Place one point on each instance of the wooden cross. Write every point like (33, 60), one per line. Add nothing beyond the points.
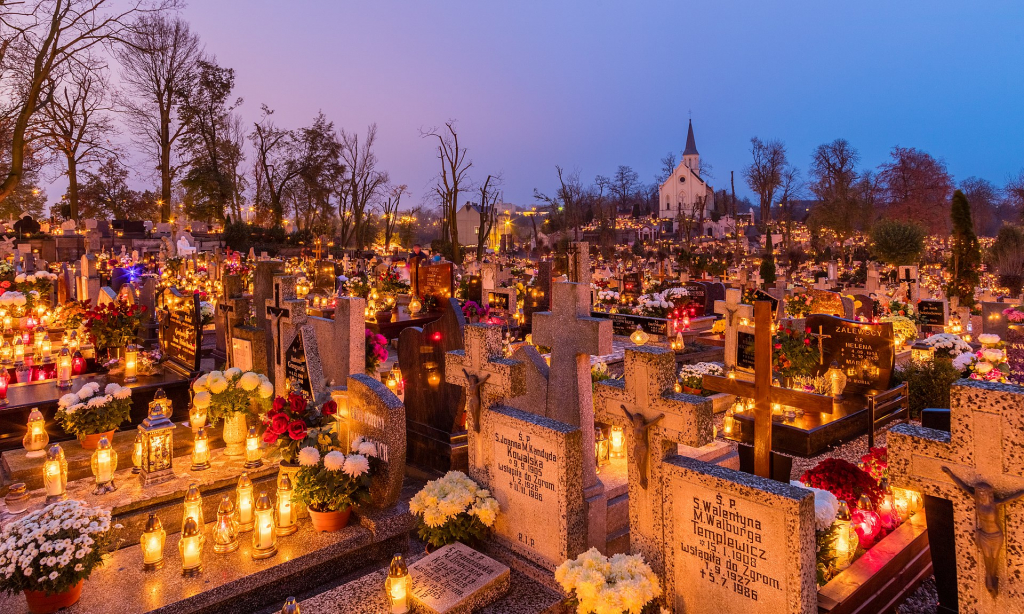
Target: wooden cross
(763, 392)
(733, 308)
(983, 452)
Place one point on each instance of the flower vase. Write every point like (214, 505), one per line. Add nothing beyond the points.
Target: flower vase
(290, 469)
(329, 522)
(92, 441)
(41, 603)
(235, 430)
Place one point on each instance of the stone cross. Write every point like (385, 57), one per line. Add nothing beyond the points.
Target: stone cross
(979, 466)
(285, 313)
(579, 263)
(644, 397)
(763, 392)
(735, 311)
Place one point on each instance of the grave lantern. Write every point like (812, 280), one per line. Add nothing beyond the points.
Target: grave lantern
(677, 343)
(225, 532)
(433, 373)
(253, 454)
(64, 365)
(193, 505)
(77, 363)
(921, 352)
(201, 450)
(602, 447)
(728, 423)
(845, 544)
(73, 344)
(887, 512)
(245, 504)
(36, 438)
(639, 337)
(264, 537)
(6, 353)
(398, 585)
(19, 351)
(865, 520)
(908, 502)
(104, 464)
(8, 320)
(55, 474)
(290, 606)
(46, 347)
(157, 441)
(152, 543)
(415, 306)
(285, 510)
(618, 448)
(131, 363)
(137, 454)
(191, 548)
(5, 380)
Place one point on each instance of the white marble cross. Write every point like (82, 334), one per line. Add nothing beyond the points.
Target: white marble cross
(735, 312)
(985, 451)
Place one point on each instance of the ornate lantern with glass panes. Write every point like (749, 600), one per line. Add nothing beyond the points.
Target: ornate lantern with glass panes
(157, 442)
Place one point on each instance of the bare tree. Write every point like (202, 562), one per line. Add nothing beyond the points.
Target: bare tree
(156, 64)
(452, 179)
(764, 174)
(276, 160)
(365, 182)
(76, 125)
(389, 212)
(790, 189)
(489, 197)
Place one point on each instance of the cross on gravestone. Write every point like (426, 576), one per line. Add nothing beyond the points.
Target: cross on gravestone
(763, 392)
(347, 339)
(651, 415)
(978, 466)
(578, 269)
(734, 311)
(820, 336)
(494, 377)
(286, 314)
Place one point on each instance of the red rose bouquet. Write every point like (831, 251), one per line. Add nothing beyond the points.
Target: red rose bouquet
(295, 423)
(876, 463)
(114, 325)
(844, 480)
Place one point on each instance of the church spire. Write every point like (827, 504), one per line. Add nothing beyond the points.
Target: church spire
(691, 144)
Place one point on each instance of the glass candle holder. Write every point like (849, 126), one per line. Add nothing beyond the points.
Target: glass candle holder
(64, 368)
(152, 543)
(398, 585)
(245, 504)
(55, 475)
(193, 506)
(225, 531)
(131, 363)
(190, 547)
(36, 438)
(286, 524)
(264, 535)
(201, 450)
(104, 464)
(17, 498)
(253, 454)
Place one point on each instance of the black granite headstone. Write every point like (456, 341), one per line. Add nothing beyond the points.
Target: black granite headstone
(864, 351)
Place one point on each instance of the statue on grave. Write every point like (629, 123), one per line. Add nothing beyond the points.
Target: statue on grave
(987, 532)
(167, 248)
(640, 446)
(473, 401)
(184, 248)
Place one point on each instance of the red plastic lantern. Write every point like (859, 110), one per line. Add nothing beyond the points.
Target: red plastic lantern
(5, 380)
(436, 337)
(866, 521)
(78, 364)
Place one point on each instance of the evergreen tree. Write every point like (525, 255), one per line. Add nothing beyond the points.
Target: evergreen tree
(768, 262)
(966, 258)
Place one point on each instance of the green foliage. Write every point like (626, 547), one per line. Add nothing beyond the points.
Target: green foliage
(323, 490)
(897, 243)
(768, 269)
(929, 383)
(1007, 258)
(965, 261)
(826, 559)
(463, 527)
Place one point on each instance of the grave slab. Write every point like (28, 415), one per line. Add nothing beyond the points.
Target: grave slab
(456, 580)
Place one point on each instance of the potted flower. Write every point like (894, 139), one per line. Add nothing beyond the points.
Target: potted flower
(799, 305)
(330, 484)
(595, 581)
(114, 325)
(15, 302)
(376, 352)
(90, 416)
(453, 508)
(691, 377)
(474, 312)
(231, 395)
(51, 552)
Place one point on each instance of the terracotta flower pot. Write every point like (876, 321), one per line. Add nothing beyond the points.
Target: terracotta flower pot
(329, 522)
(91, 442)
(41, 603)
(694, 391)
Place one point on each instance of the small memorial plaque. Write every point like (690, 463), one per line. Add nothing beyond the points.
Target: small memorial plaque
(241, 354)
(933, 313)
(457, 578)
(745, 350)
(297, 367)
(624, 323)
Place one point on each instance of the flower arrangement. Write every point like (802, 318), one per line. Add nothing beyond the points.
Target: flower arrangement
(692, 376)
(902, 327)
(876, 463)
(376, 351)
(390, 283)
(53, 549)
(16, 301)
(990, 340)
(799, 305)
(654, 306)
(603, 585)
(295, 423)
(40, 282)
(358, 286)
(988, 364)
(223, 394)
(1014, 315)
(718, 328)
(7, 274)
(472, 309)
(792, 353)
(947, 345)
(898, 308)
(453, 508)
(599, 372)
(114, 324)
(87, 412)
(70, 315)
(843, 479)
(826, 508)
(608, 297)
(817, 384)
(206, 313)
(330, 481)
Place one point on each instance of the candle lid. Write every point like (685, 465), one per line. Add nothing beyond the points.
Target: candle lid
(17, 489)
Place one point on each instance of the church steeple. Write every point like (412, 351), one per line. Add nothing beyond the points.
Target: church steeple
(690, 156)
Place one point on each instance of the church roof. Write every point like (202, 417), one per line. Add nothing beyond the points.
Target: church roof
(691, 145)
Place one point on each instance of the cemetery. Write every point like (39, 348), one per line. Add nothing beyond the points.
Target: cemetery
(245, 369)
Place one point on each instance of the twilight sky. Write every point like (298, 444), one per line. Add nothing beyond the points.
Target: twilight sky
(594, 84)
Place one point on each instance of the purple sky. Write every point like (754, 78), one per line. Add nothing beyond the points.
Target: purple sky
(596, 84)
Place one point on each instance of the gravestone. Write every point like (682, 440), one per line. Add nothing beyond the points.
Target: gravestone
(377, 415)
(863, 350)
(992, 319)
(231, 310)
(1014, 340)
(734, 312)
(302, 363)
(863, 306)
(825, 302)
(695, 298)
(502, 301)
(474, 290)
(978, 466)
(435, 418)
(488, 276)
(456, 579)
(88, 280)
(537, 375)
(761, 295)
(181, 331)
(578, 269)
(436, 280)
(296, 355)
(933, 312)
(345, 335)
(736, 542)
(106, 296)
(632, 285)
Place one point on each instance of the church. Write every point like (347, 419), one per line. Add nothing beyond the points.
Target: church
(684, 191)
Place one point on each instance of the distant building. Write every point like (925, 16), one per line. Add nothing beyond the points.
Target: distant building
(467, 219)
(684, 189)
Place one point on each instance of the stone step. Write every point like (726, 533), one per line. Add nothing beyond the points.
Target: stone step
(618, 513)
(618, 542)
(234, 582)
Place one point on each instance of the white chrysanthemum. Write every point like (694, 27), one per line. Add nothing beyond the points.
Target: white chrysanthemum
(334, 461)
(356, 465)
(826, 506)
(20, 277)
(983, 368)
(232, 373)
(98, 402)
(75, 408)
(249, 381)
(367, 448)
(963, 361)
(218, 385)
(201, 400)
(68, 400)
(309, 456)
(123, 393)
(215, 374)
(111, 389)
(988, 339)
(266, 390)
(85, 393)
(992, 355)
